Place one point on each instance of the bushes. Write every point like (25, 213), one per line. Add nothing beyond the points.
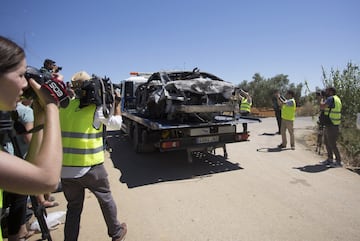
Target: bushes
(350, 143)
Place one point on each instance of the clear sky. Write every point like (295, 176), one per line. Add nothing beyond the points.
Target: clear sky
(233, 39)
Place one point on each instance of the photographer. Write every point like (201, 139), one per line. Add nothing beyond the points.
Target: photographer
(331, 107)
(41, 173)
(51, 68)
(245, 106)
(288, 111)
(82, 124)
(16, 221)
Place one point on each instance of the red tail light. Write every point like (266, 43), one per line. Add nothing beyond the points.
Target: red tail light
(242, 136)
(170, 144)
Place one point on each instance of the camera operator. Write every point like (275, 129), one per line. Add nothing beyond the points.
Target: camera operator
(51, 68)
(16, 220)
(40, 173)
(288, 111)
(331, 107)
(83, 162)
(245, 106)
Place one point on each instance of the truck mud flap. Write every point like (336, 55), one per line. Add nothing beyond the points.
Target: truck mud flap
(139, 140)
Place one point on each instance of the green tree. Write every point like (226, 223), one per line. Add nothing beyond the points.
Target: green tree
(262, 89)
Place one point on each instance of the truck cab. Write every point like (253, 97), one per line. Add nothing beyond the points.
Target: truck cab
(128, 88)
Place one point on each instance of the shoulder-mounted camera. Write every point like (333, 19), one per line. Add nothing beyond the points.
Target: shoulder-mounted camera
(98, 91)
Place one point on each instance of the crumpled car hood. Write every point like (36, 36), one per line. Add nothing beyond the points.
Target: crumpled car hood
(202, 86)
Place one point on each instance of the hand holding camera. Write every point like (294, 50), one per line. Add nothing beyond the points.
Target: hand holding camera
(46, 88)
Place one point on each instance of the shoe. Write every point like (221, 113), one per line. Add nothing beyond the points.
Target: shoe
(326, 162)
(278, 133)
(293, 148)
(51, 198)
(336, 164)
(27, 235)
(48, 204)
(123, 233)
(281, 146)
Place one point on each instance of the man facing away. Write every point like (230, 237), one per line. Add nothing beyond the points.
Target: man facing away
(83, 159)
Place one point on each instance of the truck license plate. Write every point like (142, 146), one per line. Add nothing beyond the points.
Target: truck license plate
(207, 139)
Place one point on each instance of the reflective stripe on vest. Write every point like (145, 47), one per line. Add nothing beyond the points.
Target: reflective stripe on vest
(82, 143)
(335, 113)
(245, 105)
(288, 112)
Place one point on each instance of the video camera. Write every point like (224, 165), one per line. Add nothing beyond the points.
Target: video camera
(55, 87)
(57, 69)
(98, 91)
(321, 93)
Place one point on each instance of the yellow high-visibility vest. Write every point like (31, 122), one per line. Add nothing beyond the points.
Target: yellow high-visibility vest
(335, 113)
(82, 143)
(245, 105)
(288, 112)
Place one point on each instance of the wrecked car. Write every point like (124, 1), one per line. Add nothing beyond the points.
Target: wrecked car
(184, 95)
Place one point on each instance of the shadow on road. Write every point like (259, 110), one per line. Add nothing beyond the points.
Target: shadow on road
(272, 149)
(313, 168)
(151, 168)
(268, 134)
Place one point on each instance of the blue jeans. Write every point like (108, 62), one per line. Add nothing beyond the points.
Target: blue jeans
(74, 190)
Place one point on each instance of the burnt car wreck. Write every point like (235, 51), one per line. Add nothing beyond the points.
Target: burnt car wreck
(184, 96)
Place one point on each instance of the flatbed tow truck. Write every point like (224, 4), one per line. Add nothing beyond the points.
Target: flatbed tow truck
(148, 135)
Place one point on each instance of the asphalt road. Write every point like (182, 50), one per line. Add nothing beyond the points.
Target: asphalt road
(260, 193)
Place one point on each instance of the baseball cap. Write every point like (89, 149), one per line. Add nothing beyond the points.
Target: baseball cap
(48, 62)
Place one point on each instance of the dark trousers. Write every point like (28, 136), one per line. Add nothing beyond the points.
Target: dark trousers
(278, 119)
(17, 211)
(331, 135)
(74, 190)
(244, 124)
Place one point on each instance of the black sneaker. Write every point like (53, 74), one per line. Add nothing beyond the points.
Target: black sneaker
(336, 164)
(123, 233)
(281, 146)
(327, 162)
